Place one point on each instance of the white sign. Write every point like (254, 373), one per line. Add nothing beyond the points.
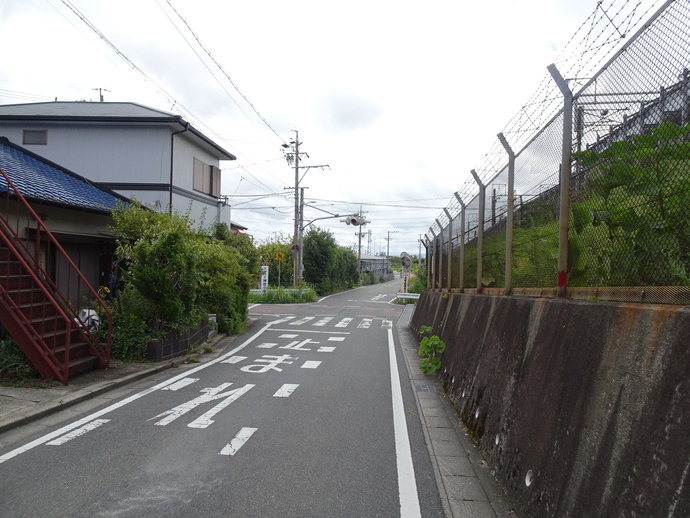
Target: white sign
(264, 276)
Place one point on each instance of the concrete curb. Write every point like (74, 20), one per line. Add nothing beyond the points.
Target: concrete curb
(35, 412)
(27, 415)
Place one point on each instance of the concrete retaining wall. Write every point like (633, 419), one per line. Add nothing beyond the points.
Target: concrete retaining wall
(581, 408)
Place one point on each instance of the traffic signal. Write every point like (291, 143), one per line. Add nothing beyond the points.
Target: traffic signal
(355, 219)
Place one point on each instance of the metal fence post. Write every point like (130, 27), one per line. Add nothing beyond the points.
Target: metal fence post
(427, 260)
(509, 214)
(461, 272)
(432, 266)
(480, 228)
(450, 249)
(440, 254)
(565, 179)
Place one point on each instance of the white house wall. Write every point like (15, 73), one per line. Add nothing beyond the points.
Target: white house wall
(121, 155)
(104, 152)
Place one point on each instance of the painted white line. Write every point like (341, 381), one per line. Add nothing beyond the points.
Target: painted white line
(344, 322)
(387, 324)
(310, 364)
(234, 359)
(76, 424)
(323, 321)
(365, 323)
(266, 345)
(209, 394)
(77, 433)
(325, 349)
(407, 483)
(180, 384)
(204, 421)
(288, 336)
(298, 346)
(302, 321)
(336, 338)
(238, 441)
(286, 390)
(302, 331)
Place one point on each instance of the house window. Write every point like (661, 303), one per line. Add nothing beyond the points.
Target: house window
(206, 178)
(35, 137)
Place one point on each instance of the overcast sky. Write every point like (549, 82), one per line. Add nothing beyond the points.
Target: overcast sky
(400, 99)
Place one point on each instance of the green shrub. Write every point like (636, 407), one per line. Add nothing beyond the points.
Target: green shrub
(281, 296)
(430, 348)
(13, 363)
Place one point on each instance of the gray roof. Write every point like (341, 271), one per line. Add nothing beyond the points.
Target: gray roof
(85, 109)
(82, 111)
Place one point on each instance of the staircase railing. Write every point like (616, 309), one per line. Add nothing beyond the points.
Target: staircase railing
(23, 233)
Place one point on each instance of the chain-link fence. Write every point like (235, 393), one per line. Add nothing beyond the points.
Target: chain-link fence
(620, 122)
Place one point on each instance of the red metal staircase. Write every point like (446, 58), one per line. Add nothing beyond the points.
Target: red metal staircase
(42, 318)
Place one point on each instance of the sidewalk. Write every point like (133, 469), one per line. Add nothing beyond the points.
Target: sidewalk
(465, 485)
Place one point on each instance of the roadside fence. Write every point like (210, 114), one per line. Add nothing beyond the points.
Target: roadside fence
(586, 192)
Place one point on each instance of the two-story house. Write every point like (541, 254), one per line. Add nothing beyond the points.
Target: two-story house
(154, 157)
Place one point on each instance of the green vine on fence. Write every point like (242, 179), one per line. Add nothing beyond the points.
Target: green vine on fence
(430, 349)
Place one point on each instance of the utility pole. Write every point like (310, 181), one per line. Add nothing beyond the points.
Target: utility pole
(388, 247)
(296, 249)
(100, 92)
(419, 256)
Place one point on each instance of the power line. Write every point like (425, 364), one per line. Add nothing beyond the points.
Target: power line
(215, 61)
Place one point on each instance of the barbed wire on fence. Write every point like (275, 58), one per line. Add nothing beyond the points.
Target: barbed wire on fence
(627, 66)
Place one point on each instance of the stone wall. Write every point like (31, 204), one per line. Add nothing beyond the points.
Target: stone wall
(581, 408)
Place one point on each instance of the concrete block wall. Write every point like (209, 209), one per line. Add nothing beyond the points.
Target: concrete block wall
(581, 408)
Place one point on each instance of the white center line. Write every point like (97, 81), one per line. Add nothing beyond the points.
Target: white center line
(286, 390)
(238, 441)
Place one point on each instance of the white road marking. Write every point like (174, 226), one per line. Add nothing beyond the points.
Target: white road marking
(298, 346)
(310, 364)
(302, 321)
(266, 345)
(234, 359)
(325, 349)
(378, 297)
(288, 336)
(407, 483)
(271, 363)
(344, 322)
(210, 394)
(80, 422)
(387, 324)
(238, 441)
(286, 390)
(180, 384)
(336, 338)
(365, 323)
(78, 432)
(204, 421)
(323, 321)
(302, 331)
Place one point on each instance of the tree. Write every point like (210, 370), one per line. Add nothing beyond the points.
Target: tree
(269, 253)
(319, 259)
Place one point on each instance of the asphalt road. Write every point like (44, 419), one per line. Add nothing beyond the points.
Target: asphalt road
(307, 415)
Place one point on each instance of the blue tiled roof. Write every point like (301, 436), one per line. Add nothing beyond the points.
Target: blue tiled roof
(41, 180)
